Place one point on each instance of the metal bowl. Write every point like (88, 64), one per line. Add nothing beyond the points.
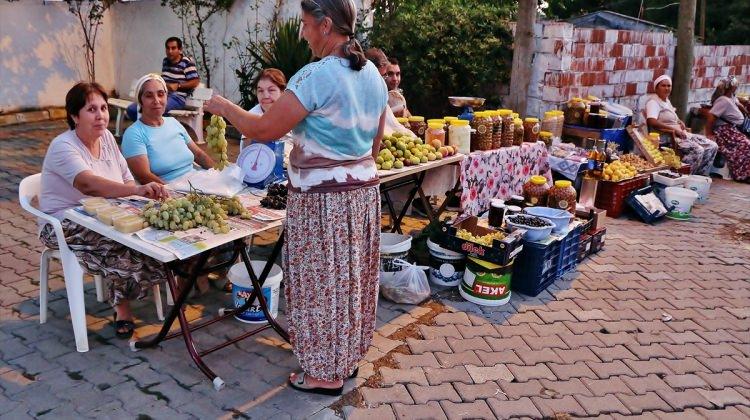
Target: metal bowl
(462, 101)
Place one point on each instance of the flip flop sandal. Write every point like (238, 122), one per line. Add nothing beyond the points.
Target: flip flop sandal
(300, 385)
(354, 374)
(123, 329)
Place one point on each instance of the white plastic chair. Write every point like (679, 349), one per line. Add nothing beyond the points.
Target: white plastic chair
(28, 189)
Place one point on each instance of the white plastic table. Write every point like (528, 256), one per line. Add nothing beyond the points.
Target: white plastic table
(172, 265)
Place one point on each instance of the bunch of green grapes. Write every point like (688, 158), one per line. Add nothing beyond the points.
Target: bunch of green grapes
(186, 213)
(232, 206)
(217, 143)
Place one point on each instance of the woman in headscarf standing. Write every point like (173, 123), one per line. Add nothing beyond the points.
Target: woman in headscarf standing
(335, 108)
(697, 151)
(726, 115)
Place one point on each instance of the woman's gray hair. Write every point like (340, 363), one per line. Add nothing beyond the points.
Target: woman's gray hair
(343, 14)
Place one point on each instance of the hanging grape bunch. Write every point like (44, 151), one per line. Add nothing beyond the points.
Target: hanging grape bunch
(217, 143)
(276, 197)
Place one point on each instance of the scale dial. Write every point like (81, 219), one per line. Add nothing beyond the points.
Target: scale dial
(258, 161)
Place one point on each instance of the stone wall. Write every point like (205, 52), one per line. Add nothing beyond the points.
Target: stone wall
(619, 65)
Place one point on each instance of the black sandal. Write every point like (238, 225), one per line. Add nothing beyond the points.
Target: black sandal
(123, 328)
(300, 385)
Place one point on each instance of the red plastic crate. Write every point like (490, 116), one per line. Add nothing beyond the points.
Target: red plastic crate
(611, 196)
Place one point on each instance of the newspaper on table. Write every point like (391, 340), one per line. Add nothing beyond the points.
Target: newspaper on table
(187, 243)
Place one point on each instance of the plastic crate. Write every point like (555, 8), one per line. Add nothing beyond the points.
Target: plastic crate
(611, 196)
(597, 240)
(535, 268)
(584, 249)
(641, 211)
(569, 251)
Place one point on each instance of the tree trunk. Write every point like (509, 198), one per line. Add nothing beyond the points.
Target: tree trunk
(683, 56)
(523, 52)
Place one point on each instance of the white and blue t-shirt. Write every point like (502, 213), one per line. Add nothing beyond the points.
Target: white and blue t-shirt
(166, 147)
(333, 144)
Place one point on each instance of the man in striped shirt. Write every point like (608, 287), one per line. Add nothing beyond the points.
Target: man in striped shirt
(180, 74)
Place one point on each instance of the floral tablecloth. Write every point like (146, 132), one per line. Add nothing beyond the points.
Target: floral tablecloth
(500, 173)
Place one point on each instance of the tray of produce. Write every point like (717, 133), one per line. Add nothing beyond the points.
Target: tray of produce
(484, 243)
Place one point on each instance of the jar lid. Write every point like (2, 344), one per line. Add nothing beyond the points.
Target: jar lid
(435, 125)
(514, 115)
(504, 112)
(436, 120)
(517, 121)
(653, 134)
(415, 118)
(538, 180)
(545, 134)
(497, 202)
(531, 120)
(576, 99)
(402, 119)
(460, 122)
(516, 197)
(450, 118)
(513, 209)
(563, 183)
(592, 98)
(548, 114)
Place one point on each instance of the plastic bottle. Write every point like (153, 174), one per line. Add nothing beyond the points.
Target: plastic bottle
(460, 134)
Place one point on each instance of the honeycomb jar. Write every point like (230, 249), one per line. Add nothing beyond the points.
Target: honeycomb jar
(562, 196)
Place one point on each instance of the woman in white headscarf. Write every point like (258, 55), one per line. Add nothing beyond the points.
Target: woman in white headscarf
(697, 151)
(726, 117)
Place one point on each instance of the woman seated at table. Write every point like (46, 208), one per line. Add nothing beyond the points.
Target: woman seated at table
(269, 86)
(84, 162)
(697, 151)
(725, 116)
(158, 148)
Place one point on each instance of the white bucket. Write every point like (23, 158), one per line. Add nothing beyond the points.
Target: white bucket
(699, 184)
(446, 267)
(681, 198)
(242, 287)
(393, 246)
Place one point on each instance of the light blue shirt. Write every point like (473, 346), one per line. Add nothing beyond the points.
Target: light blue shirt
(333, 143)
(166, 147)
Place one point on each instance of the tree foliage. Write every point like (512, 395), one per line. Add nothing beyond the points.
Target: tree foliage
(90, 14)
(726, 22)
(284, 50)
(195, 15)
(445, 48)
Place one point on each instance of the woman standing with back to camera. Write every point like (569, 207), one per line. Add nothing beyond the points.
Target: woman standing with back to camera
(335, 109)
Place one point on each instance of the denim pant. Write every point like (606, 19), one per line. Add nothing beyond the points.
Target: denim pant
(174, 101)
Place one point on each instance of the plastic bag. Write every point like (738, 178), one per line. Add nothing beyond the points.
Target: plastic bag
(406, 286)
(227, 182)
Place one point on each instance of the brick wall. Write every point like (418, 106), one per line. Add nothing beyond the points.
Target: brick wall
(620, 65)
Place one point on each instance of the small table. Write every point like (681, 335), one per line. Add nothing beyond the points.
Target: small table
(412, 175)
(174, 265)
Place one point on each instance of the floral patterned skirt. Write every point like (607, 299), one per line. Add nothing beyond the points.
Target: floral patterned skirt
(698, 152)
(331, 259)
(129, 273)
(735, 147)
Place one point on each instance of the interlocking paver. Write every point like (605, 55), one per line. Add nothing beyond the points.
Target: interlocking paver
(473, 392)
(684, 365)
(448, 360)
(459, 345)
(481, 374)
(643, 384)
(392, 394)
(511, 343)
(523, 407)
(436, 376)
(394, 376)
(723, 397)
(645, 367)
(571, 386)
(383, 412)
(649, 401)
(723, 380)
(406, 361)
(582, 354)
(422, 394)
(605, 370)
(581, 340)
(516, 390)
(680, 400)
(430, 332)
(525, 373)
(431, 410)
(423, 346)
(483, 330)
(558, 407)
(600, 387)
(607, 404)
(532, 357)
(575, 370)
(474, 410)
(455, 318)
(498, 357)
(686, 381)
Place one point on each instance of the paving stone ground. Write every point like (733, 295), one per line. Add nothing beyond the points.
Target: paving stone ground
(655, 325)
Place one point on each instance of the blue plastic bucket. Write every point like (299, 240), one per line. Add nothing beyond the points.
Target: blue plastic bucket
(242, 287)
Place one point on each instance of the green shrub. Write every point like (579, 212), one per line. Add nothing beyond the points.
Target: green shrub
(446, 48)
